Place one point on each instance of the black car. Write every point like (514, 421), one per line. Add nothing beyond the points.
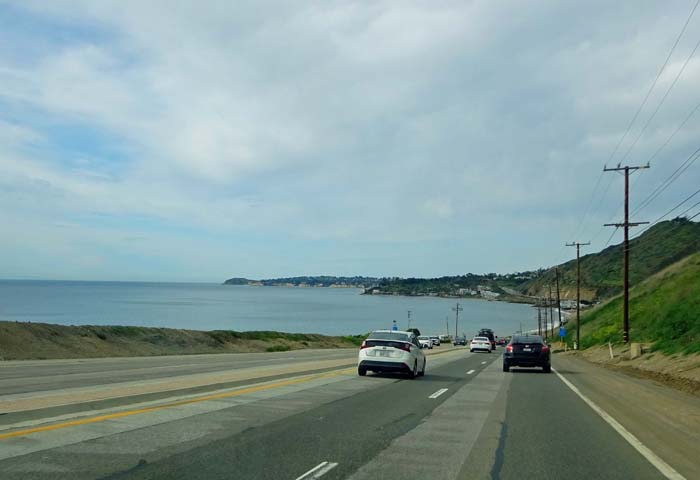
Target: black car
(527, 351)
(488, 333)
(460, 341)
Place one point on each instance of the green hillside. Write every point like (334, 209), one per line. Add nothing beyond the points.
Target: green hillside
(601, 273)
(664, 310)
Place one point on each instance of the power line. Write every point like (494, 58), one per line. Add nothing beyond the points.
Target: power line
(668, 181)
(676, 207)
(663, 99)
(658, 75)
(636, 115)
(668, 140)
(680, 215)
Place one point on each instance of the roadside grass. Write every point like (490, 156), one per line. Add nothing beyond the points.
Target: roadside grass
(664, 311)
(278, 348)
(25, 340)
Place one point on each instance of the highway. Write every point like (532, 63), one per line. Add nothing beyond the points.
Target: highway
(308, 415)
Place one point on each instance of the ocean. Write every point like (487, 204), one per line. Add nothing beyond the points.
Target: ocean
(200, 306)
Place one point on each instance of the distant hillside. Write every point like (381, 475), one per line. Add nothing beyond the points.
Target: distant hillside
(319, 281)
(664, 309)
(601, 273)
(490, 285)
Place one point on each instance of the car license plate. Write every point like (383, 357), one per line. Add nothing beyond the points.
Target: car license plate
(527, 349)
(384, 353)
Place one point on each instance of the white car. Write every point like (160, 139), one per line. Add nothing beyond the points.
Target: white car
(425, 342)
(480, 343)
(391, 351)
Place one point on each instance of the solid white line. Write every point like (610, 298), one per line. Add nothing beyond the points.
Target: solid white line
(470, 372)
(324, 470)
(663, 467)
(483, 363)
(438, 393)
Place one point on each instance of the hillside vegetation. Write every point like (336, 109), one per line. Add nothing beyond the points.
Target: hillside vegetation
(26, 341)
(664, 310)
(601, 273)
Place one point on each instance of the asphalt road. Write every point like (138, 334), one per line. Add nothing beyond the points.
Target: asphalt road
(464, 419)
(45, 375)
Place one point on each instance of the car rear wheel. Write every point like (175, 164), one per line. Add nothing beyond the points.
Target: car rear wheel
(361, 371)
(506, 368)
(413, 373)
(422, 372)
(547, 369)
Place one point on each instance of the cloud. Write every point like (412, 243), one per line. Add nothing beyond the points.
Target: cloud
(339, 128)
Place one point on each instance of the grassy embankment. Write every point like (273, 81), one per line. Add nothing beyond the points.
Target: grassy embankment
(25, 341)
(601, 272)
(664, 311)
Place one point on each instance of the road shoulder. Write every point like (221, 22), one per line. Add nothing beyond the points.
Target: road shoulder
(665, 420)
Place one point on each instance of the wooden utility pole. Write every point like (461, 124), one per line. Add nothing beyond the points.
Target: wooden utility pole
(626, 247)
(551, 311)
(409, 320)
(578, 246)
(539, 319)
(457, 309)
(558, 298)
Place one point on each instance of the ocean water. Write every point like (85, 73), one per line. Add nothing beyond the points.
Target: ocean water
(331, 311)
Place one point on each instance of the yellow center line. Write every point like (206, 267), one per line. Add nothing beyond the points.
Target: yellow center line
(128, 413)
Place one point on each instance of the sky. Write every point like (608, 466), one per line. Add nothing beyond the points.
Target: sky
(197, 141)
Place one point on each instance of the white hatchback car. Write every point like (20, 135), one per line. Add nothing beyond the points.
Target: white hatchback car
(425, 342)
(391, 351)
(480, 343)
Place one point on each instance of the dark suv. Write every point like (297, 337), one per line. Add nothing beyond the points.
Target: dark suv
(527, 351)
(488, 333)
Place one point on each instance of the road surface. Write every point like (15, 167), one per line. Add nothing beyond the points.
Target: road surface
(308, 415)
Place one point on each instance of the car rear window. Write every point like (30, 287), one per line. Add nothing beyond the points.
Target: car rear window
(384, 343)
(527, 339)
(402, 337)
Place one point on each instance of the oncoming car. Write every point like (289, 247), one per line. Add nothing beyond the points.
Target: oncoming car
(391, 351)
(480, 343)
(425, 342)
(435, 339)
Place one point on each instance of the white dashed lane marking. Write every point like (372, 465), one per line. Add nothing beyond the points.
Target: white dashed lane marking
(438, 393)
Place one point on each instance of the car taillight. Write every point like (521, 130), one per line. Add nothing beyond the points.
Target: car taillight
(509, 348)
(364, 344)
(545, 348)
(405, 346)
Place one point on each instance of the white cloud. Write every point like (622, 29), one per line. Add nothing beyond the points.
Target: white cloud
(336, 122)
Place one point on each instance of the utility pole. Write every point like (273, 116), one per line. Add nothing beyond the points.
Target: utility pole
(578, 246)
(558, 298)
(539, 319)
(457, 309)
(447, 322)
(551, 311)
(409, 320)
(626, 248)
